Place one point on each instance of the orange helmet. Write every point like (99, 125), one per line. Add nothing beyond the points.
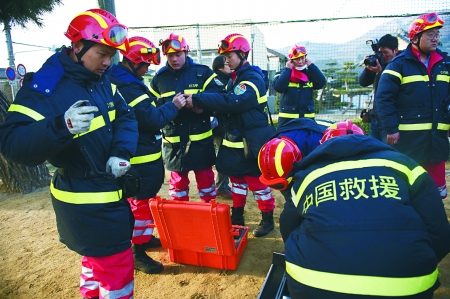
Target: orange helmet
(142, 50)
(424, 22)
(276, 160)
(341, 129)
(234, 42)
(174, 43)
(296, 52)
(99, 26)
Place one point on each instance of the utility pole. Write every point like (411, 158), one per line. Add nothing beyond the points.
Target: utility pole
(109, 5)
(10, 56)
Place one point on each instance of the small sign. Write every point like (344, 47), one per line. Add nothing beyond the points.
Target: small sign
(10, 73)
(12, 83)
(21, 70)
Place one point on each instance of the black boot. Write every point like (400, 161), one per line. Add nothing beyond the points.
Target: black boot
(153, 243)
(143, 262)
(266, 224)
(237, 216)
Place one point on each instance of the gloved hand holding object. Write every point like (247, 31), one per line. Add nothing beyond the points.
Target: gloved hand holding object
(117, 166)
(79, 116)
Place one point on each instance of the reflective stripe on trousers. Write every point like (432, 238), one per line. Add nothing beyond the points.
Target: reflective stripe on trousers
(110, 277)
(262, 193)
(142, 218)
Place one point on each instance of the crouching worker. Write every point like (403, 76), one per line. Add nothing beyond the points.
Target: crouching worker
(293, 140)
(364, 220)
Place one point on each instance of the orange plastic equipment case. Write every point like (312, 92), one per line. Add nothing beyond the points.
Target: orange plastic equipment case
(198, 233)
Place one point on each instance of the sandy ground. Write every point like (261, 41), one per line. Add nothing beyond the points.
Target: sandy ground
(34, 264)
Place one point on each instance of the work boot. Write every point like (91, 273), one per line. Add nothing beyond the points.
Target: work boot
(237, 216)
(143, 262)
(153, 243)
(266, 224)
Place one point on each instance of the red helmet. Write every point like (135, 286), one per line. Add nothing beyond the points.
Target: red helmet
(142, 50)
(174, 43)
(99, 26)
(424, 22)
(234, 42)
(296, 52)
(341, 129)
(276, 159)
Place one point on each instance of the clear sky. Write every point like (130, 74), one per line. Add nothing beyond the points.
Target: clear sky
(135, 13)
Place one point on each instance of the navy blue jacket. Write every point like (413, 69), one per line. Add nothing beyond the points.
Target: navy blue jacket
(188, 143)
(148, 161)
(296, 99)
(362, 210)
(242, 107)
(412, 102)
(92, 217)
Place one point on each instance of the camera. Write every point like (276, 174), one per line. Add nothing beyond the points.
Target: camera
(372, 59)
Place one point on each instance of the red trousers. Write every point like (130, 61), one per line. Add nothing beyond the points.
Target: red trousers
(109, 277)
(262, 193)
(142, 218)
(179, 185)
(437, 173)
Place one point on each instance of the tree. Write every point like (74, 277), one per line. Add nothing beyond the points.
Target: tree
(18, 178)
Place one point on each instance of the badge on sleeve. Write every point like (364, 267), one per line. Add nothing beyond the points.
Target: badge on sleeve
(240, 89)
(218, 82)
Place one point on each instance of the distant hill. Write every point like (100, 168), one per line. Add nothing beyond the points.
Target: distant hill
(355, 50)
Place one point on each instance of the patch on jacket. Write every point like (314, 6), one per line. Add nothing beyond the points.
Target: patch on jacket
(218, 82)
(240, 89)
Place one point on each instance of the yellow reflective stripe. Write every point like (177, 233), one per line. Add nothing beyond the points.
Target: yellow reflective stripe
(288, 115)
(95, 16)
(260, 99)
(194, 137)
(415, 78)
(201, 136)
(444, 127)
(346, 165)
(114, 88)
(276, 75)
(146, 158)
(138, 100)
(85, 197)
(171, 139)
(208, 81)
(97, 123)
(232, 144)
(26, 111)
(415, 127)
(167, 94)
(362, 285)
(323, 123)
(393, 73)
(308, 85)
(292, 84)
(278, 153)
(191, 91)
(154, 92)
(310, 115)
(445, 78)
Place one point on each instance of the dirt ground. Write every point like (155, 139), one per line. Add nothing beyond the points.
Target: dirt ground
(34, 264)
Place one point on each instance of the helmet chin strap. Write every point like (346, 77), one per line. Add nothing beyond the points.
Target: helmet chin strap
(417, 44)
(133, 69)
(87, 44)
(242, 59)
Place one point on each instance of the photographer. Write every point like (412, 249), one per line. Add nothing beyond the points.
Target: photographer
(388, 47)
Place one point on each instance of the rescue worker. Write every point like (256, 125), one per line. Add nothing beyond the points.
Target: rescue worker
(413, 99)
(128, 76)
(70, 114)
(296, 84)
(240, 109)
(187, 140)
(294, 140)
(365, 221)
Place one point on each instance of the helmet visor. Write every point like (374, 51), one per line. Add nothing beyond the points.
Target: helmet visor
(169, 44)
(115, 35)
(299, 51)
(224, 46)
